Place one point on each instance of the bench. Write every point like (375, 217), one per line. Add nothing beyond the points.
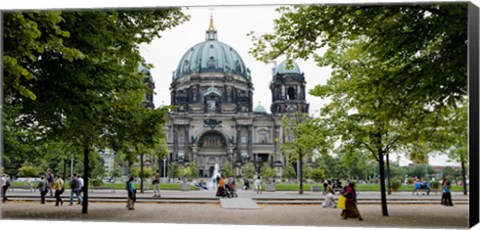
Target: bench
(424, 190)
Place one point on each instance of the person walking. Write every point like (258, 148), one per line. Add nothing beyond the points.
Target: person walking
(50, 179)
(131, 194)
(258, 184)
(59, 187)
(80, 184)
(5, 184)
(447, 195)
(351, 210)
(75, 189)
(329, 201)
(156, 185)
(42, 188)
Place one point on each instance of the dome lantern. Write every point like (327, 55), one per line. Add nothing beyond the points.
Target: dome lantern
(211, 32)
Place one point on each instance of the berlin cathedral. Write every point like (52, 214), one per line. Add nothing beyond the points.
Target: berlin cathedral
(214, 121)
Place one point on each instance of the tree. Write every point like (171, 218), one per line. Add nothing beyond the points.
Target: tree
(267, 172)
(302, 135)
(417, 43)
(248, 170)
(451, 138)
(28, 170)
(173, 170)
(449, 172)
(332, 166)
(384, 59)
(289, 172)
(191, 172)
(227, 170)
(316, 174)
(141, 128)
(116, 171)
(96, 166)
(72, 73)
(420, 170)
(147, 172)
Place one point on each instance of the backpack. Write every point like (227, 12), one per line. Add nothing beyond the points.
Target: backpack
(74, 183)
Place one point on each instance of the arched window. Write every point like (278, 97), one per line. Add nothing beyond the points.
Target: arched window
(291, 93)
(212, 140)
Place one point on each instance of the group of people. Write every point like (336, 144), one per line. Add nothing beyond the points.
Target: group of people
(231, 185)
(226, 187)
(347, 201)
(57, 185)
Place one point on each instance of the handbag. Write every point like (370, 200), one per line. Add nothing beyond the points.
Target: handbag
(341, 202)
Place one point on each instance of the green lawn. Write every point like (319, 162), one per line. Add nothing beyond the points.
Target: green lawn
(279, 186)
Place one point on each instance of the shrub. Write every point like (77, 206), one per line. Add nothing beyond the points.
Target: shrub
(395, 184)
(97, 182)
(316, 174)
(267, 172)
(435, 184)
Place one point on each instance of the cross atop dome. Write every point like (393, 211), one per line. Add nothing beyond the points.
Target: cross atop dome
(211, 32)
(211, 28)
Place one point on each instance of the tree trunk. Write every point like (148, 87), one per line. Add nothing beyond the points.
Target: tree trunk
(463, 177)
(141, 173)
(388, 176)
(382, 183)
(86, 152)
(300, 163)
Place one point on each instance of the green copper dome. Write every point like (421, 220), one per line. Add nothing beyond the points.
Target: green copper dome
(282, 68)
(211, 56)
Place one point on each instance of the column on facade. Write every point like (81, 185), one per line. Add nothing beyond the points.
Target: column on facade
(297, 92)
(175, 142)
(239, 153)
(250, 140)
(187, 143)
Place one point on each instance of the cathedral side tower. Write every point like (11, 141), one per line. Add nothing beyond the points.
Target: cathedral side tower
(288, 90)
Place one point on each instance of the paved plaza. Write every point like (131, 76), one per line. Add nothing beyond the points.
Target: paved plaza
(403, 212)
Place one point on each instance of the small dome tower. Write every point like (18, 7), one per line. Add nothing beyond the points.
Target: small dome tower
(288, 89)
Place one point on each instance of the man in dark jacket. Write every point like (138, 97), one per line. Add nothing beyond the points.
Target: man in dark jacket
(75, 187)
(43, 188)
